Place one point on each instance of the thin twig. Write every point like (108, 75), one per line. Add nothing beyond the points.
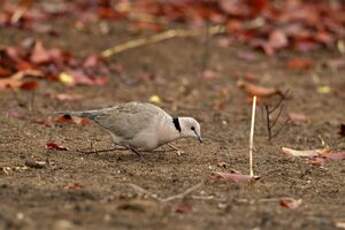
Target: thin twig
(268, 123)
(158, 38)
(184, 194)
(251, 138)
(205, 55)
(281, 108)
(156, 197)
(101, 151)
(141, 190)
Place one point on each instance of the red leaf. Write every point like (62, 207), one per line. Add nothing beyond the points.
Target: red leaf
(300, 64)
(39, 54)
(29, 85)
(255, 90)
(183, 208)
(277, 39)
(73, 186)
(257, 6)
(335, 156)
(67, 119)
(233, 177)
(298, 118)
(290, 203)
(91, 61)
(54, 146)
(4, 72)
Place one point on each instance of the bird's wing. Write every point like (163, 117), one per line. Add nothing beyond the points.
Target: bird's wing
(129, 119)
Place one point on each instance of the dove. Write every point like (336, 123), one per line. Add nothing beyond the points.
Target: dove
(141, 126)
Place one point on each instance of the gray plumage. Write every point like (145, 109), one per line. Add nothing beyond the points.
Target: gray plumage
(141, 126)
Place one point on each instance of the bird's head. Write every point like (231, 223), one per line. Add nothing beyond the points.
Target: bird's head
(190, 128)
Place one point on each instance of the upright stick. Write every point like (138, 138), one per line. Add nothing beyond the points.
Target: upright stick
(251, 138)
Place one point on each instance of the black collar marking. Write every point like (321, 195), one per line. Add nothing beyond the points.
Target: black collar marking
(177, 123)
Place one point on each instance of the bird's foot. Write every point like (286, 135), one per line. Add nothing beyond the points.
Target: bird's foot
(137, 153)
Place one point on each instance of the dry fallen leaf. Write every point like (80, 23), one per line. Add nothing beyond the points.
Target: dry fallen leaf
(298, 118)
(334, 156)
(54, 146)
(73, 186)
(340, 225)
(183, 208)
(290, 203)
(255, 90)
(68, 119)
(233, 177)
(300, 64)
(304, 153)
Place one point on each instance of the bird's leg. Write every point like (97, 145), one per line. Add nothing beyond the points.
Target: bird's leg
(136, 152)
(178, 152)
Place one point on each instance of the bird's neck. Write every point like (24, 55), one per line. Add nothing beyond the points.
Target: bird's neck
(170, 129)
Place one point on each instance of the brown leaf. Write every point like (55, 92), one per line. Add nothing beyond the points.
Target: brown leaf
(54, 146)
(29, 85)
(68, 119)
(255, 90)
(35, 164)
(290, 203)
(73, 186)
(183, 208)
(277, 39)
(304, 153)
(233, 177)
(209, 75)
(335, 156)
(67, 97)
(39, 54)
(300, 64)
(4, 72)
(298, 118)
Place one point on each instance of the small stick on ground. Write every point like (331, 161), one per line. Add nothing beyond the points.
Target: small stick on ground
(170, 198)
(141, 190)
(158, 38)
(183, 194)
(251, 138)
(101, 151)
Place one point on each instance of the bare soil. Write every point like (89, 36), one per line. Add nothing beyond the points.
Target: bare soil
(75, 190)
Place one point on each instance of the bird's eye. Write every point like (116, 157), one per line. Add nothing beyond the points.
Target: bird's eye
(192, 128)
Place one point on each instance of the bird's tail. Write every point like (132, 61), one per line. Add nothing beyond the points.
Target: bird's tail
(90, 114)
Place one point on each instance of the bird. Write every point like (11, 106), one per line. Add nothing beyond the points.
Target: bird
(140, 126)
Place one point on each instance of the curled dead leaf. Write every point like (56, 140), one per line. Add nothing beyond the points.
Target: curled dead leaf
(300, 64)
(54, 146)
(290, 203)
(298, 118)
(233, 177)
(68, 119)
(255, 90)
(73, 186)
(183, 208)
(304, 153)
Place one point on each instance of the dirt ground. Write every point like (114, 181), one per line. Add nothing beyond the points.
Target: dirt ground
(93, 191)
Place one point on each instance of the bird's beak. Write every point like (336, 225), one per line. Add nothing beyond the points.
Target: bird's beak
(198, 136)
